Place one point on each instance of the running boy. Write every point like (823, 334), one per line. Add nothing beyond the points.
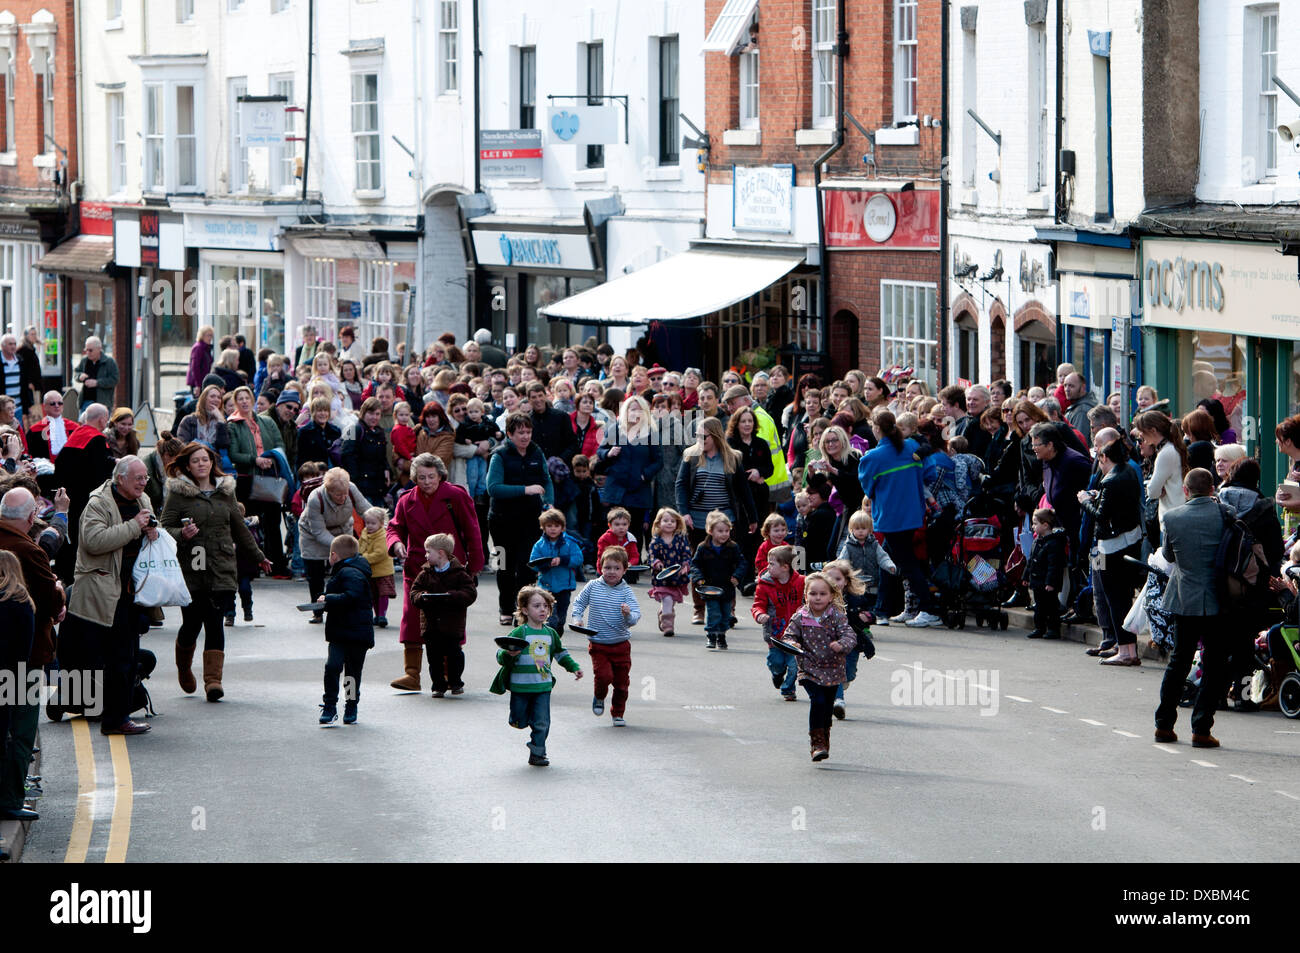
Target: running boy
(777, 597)
(774, 531)
(349, 628)
(619, 520)
(612, 608)
(561, 577)
(528, 677)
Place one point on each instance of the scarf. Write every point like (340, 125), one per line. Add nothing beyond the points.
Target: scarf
(252, 425)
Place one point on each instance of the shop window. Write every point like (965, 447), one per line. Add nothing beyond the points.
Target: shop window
(1213, 364)
(967, 338)
(1097, 366)
(544, 291)
(907, 329)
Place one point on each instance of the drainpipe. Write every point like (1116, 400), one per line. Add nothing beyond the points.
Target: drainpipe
(823, 290)
(1060, 109)
(311, 61)
(417, 66)
(945, 192)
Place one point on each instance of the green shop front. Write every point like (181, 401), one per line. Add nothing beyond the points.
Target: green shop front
(1220, 319)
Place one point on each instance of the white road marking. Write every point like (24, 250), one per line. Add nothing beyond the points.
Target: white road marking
(1165, 748)
(1055, 711)
(1241, 777)
(1126, 734)
(1204, 764)
(1284, 794)
(1089, 721)
(883, 659)
(1017, 698)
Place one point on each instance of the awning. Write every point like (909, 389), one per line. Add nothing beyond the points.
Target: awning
(82, 255)
(687, 285)
(730, 30)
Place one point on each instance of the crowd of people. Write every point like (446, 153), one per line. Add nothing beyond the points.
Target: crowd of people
(835, 505)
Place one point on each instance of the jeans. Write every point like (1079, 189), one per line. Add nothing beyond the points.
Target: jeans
(207, 613)
(783, 664)
(347, 659)
(532, 710)
(850, 672)
(1112, 589)
(561, 610)
(1190, 630)
(717, 616)
(611, 665)
(246, 592)
(296, 564)
(820, 711)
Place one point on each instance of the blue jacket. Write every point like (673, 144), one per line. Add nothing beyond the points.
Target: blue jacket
(630, 476)
(892, 480)
(350, 616)
(561, 578)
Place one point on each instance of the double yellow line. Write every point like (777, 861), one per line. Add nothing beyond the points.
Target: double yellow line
(119, 831)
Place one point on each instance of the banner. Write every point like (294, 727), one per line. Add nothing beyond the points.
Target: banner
(898, 221)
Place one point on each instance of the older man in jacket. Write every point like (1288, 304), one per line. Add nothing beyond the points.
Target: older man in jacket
(1191, 541)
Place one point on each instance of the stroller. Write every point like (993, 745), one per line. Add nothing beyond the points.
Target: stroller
(971, 578)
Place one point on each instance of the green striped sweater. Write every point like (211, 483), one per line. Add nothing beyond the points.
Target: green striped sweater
(531, 669)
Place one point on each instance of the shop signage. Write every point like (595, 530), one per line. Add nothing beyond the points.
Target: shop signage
(1091, 302)
(510, 153)
(96, 219)
(219, 231)
(1234, 287)
(262, 121)
(582, 125)
(550, 251)
(762, 198)
(901, 221)
(19, 228)
(146, 239)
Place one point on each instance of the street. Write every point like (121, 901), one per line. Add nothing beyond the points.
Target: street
(713, 765)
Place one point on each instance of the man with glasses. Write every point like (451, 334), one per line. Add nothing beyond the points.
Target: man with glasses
(48, 435)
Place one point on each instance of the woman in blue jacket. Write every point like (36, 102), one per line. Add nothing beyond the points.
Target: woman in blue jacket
(630, 460)
(891, 477)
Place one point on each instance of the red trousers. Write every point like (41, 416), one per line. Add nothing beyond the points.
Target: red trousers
(611, 665)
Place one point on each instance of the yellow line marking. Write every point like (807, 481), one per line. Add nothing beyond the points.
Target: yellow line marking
(82, 821)
(119, 831)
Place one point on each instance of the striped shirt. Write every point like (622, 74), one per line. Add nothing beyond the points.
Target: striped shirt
(532, 669)
(13, 379)
(604, 607)
(712, 490)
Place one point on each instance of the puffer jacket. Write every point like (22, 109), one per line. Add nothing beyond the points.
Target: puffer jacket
(439, 444)
(322, 519)
(208, 559)
(350, 614)
(98, 575)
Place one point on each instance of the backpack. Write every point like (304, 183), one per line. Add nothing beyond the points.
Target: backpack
(1239, 562)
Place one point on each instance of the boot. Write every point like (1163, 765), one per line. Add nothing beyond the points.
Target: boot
(410, 682)
(214, 661)
(184, 668)
(820, 743)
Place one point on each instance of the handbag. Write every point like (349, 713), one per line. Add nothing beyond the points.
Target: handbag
(268, 489)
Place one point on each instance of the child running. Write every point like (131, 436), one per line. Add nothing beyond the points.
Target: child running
(718, 562)
(561, 577)
(611, 608)
(374, 546)
(444, 590)
(774, 531)
(669, 546)
(777, 597)
(349, 629)
(854, 602)
(618, 521)
(528, 677)
(826, 637)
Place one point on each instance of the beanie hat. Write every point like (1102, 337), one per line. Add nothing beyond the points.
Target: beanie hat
(288, 397)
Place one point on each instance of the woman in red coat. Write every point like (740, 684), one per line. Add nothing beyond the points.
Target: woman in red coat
(586, 426)
(436, 506)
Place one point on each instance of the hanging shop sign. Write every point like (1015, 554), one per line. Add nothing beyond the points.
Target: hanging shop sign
(762, 198)
(145, 239)
(898, 221)
(582, 125)
(510, 153)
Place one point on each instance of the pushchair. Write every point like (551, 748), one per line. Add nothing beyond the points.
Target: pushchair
(971, 578)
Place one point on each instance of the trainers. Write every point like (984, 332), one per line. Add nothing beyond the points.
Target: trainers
(438, 694)
(789, 696)
(903, 618)
(838, 708)
(881, 620)
(230, 618)
(248, 615)
(317, 619)
(381, 622)
(598, 706)
(328, 714)
(350, 713)
(926, 620)
(538, 760)
(619, 722)
(458, 691)
(712, 643)
(722, 641)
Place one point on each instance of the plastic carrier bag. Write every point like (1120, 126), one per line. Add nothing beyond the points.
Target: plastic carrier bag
(157, 574)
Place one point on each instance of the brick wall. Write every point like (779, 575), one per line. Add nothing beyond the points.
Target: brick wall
(855, 287)
(28, 105)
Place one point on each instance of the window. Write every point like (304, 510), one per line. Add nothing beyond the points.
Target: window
(448, 46)
(967, 348)
(1101, 120)
(238, 151)
(1037, 133)
(595, 86)
(365, 131)
(322, 307)
(904, 60)
(10, 103)
(527, 87)
(969, 100)
(823, 62)
(47, 103)
(1267, 91)
(282, 85)
(114, 11)
(279, 6)
(907, 328)
(669, 146)
(730, 29)
(155, 144)
(184, 11)
(187, 140)
(748, 66)
(117, 142)
(234, 6)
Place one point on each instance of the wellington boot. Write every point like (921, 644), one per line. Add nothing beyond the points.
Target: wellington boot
(213, 662)
(821, 744)
(185, 668)
(414, 661)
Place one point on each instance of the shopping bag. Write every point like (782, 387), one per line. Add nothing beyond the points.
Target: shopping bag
(1136, 621)
(157, 574)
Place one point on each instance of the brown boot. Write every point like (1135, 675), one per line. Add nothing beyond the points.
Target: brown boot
(213, 662)
(184, 668)
(820, 742)
(414, 661)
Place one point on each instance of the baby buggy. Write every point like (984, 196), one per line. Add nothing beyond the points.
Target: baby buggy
(971, 579)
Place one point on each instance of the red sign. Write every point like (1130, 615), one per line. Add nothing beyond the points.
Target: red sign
(149, 239)
(899, 221)
(96, 219)
(510, 153)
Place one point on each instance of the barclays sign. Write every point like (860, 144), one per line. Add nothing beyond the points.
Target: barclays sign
(529, 251)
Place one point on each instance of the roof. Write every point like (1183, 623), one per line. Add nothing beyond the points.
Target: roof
(1280, 222)
(79, 255)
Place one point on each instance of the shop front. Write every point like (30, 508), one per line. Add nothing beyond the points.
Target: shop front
(23, 290)
(1221, 319)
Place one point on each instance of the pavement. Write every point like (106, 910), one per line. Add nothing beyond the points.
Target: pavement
(958, 745)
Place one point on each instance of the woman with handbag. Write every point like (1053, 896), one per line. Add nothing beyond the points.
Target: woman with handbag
(1115, 507)
(202, 514)
(258, 483)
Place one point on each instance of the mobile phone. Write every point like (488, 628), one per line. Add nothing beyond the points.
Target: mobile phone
(186, 521)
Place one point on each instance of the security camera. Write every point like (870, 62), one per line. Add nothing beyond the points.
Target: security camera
(1289, 131)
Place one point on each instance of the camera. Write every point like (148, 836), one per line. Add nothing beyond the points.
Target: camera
(153, 522)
